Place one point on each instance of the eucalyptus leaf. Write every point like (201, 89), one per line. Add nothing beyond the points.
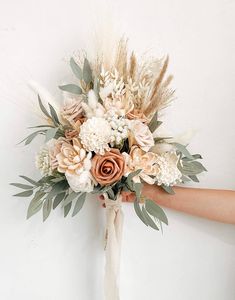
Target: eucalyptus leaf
(137, 188)
(41, 126)
(168, 189)
(22, 186)
(30, 137)
(67, 209)
(181, 148)
(50, 133)
(139, 213)
(46, 208)
(194, 178)
(54, 115)
(191, 168)
(148, 219)
(130, 177)
(195, 156)
(199, 165)
(87, 73)
(70, 198)
(24, 194)
(43, 109)
(154, 123)
(29, 180)
(71, 88)
(35, 204)
(79, 204)
(111, 194)
(156, 211)
(58, 199)
(57, 188)
(75, 68)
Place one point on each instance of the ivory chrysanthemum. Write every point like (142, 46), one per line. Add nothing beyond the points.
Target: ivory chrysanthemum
(95, 135)
(43, 161)
(167, 171)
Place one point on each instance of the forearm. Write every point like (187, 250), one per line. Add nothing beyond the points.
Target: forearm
(218, 205)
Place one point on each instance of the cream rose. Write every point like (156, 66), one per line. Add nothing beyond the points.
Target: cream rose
(140, 135)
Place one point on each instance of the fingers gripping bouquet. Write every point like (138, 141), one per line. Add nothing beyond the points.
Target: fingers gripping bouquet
(105, 138)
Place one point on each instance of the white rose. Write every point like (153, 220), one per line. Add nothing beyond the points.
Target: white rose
(141, 135)
(80, 183)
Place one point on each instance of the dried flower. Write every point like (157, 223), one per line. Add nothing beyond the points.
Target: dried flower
(43, 161)
(95, 135)
(137, 114)
(108, 168)
(93, 108)
(75, 162)
(139, 160)
(140, 135)
(119, 128)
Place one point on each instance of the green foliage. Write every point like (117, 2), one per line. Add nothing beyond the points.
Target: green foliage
(79, 204)
(47, 205)
(87, 72)
(156, 211)
(168, 189)
(76, 69)
(58, 199)
(154, 123)
(71, 88)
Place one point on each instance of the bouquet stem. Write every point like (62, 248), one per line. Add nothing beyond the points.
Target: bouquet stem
(113, 239)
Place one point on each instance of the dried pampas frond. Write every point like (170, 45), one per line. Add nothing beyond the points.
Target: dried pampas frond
(132, 66)
(121, 58)
(155, 101)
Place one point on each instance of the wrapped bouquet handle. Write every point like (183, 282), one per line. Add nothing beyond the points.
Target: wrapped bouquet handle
(113, 240)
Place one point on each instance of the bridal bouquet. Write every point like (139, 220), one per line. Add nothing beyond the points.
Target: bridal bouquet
(105, 138)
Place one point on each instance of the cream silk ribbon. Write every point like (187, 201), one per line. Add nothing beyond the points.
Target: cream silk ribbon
(113, 239)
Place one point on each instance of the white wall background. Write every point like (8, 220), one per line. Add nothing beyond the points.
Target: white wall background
(62, 259)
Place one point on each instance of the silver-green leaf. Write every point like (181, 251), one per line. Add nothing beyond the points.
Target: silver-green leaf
(79, 204)
(22, 186)
(87, 73)
(139, 213)
(71, 88)
(75, 68)
(46, 208)
(156, 211)
(24, 194)
(50, 133)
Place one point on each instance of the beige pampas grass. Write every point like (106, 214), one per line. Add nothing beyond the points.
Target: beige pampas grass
(159, 96)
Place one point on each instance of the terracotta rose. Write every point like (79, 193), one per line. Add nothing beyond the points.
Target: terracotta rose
(108, 168)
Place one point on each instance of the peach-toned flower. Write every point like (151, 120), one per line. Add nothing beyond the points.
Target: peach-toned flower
(108, 168)
(75, 162)
(139, 160)
(137, 114)
(71, 134)
(54, 149)
(140, 135)
(72, 110)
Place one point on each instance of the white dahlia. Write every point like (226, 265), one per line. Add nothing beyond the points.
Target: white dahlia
(167, 171)
(43, 161)
(95, 135)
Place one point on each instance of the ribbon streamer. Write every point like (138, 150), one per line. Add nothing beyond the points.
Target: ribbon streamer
(113, 239)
